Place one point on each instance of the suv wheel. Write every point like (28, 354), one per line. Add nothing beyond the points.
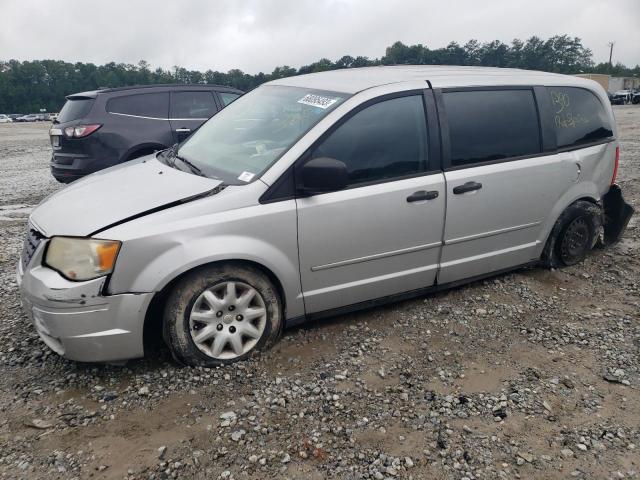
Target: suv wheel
(221, 314)
(574, 235)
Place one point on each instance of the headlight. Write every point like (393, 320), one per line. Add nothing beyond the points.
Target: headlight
(82, 258)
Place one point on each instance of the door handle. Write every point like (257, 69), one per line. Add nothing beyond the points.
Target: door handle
(422, 195)
(183, 130)
(467, 187)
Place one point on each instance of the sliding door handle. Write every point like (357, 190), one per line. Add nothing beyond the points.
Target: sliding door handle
(467, 187)
(421, 195)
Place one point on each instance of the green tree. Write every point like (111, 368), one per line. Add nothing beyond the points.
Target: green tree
(30, 85)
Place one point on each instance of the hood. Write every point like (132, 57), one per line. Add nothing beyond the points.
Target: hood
(113, 195)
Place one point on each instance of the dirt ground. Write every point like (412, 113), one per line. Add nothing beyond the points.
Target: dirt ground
(533, 374)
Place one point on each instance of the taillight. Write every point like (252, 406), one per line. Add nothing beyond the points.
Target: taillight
(81, 130)
(615, 166)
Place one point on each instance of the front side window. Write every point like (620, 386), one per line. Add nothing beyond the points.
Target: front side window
(384, 141)
(228, 97)
(197, 105)
(487, 125)
(150, 105)
(578, 116)
(247, 137)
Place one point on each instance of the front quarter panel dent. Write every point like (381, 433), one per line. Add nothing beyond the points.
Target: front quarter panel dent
(186, 254)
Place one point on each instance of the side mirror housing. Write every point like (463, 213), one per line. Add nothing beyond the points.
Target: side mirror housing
(324, 174)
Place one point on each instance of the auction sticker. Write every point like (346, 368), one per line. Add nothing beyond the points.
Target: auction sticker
(246, 176)
(317, 101)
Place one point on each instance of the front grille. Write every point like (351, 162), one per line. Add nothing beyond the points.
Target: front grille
(30, 245)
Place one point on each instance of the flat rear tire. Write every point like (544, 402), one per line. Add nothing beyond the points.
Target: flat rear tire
(573, 235)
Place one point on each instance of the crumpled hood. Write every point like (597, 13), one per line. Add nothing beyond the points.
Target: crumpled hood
(115, 194)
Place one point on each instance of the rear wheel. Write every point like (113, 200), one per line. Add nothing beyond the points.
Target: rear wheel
(221, 314)
(573, 235)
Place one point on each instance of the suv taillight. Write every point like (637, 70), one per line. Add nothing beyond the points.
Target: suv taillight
(81, 130)
(615, 166)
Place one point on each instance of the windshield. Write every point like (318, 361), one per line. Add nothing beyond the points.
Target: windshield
(247, 137)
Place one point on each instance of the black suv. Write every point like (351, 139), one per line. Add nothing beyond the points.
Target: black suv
(102, 128)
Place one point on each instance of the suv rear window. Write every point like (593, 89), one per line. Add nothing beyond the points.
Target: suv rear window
(74, 109)
(487, 125)
(150, 105)
(578, 116)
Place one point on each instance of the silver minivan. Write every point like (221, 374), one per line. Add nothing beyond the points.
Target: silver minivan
(319, 194)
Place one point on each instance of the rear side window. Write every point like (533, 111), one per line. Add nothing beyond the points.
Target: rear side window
(74, 109)
(578, 116)
(487, 125)
(228, 97)
(152, 105)
(198, 105)
(383, 141)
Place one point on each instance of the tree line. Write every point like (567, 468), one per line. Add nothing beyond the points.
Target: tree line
(42, 84)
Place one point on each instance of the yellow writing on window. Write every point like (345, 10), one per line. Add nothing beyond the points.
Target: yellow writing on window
(564, 117)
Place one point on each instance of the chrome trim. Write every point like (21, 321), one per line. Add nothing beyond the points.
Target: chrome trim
(138, 116)
(157, 118)
(492, 233)
(377, 256)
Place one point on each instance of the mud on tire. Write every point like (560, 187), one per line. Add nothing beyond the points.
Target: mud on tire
(177, 326)
(574, 234)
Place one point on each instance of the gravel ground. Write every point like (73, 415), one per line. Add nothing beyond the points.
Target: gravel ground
(530, 374)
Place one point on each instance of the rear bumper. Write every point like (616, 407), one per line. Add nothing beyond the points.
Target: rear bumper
(67, 167)
(617, 214)
(76, 321)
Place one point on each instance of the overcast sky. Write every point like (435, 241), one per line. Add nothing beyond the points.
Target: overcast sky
(258, 35)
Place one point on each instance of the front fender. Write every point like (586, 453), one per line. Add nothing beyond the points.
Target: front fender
(158, 248)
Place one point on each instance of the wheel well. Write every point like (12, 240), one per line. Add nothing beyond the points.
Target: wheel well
(142, 150)
(547, 252)
(152, 329)
(583, 199)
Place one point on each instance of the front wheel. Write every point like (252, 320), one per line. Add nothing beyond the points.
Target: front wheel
(221, 314)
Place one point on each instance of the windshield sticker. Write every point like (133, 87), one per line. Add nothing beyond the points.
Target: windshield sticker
(246, 176)
(317, 101)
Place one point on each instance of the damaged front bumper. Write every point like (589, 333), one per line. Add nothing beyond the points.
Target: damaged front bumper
(617, 214)
(76, 320)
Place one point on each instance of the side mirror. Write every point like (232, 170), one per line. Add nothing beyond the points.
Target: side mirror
(322, 175)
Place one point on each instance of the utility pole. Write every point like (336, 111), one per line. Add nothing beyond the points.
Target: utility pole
(611, 44)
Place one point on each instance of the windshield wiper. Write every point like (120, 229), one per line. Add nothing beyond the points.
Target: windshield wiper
(170, 156)
(191, 166)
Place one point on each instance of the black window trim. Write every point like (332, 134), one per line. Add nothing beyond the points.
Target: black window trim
(285, 187)
(439, 144)
(545, 126)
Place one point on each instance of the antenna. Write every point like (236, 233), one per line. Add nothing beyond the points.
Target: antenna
(611, 44)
